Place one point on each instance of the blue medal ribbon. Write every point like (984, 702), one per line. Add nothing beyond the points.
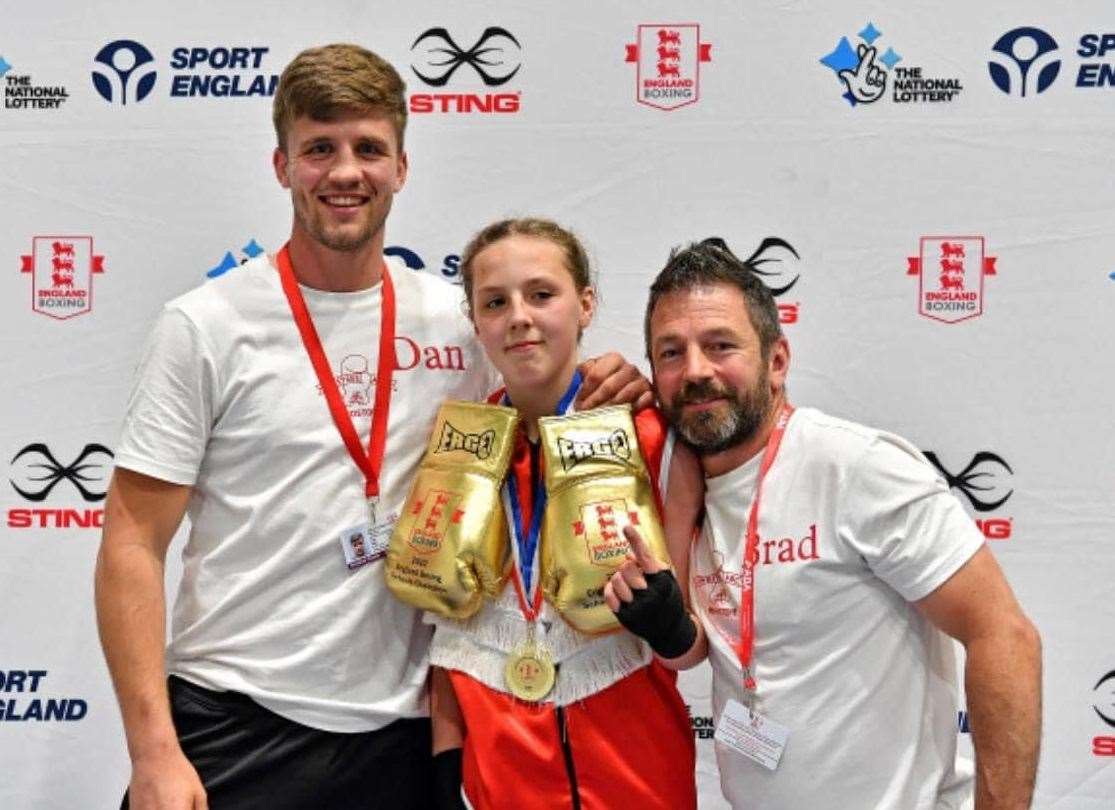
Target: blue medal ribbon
(525, 538)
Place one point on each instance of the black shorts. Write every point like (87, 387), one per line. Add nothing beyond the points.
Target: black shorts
(249, 757)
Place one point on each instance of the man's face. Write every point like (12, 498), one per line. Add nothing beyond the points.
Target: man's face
(357, 542)
(342, 175)
(714, 385)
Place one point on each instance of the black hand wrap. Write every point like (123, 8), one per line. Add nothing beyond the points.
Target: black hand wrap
(657, 614)
(447, 780)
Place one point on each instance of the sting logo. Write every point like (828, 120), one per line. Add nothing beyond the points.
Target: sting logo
(38, 472)
(1104, 745)
(495, 58)
(768, 253)
(979, 484)
(574, 451)
(48, 472)
(478, 444)
(481, 57)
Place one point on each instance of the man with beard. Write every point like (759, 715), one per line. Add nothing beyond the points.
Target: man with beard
(295, 680)
(832, 563)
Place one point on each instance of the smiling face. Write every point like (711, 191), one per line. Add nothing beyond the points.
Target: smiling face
(342, 175)
(529, 314)
(712, 378)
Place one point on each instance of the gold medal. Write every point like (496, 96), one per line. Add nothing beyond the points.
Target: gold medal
(529, 672)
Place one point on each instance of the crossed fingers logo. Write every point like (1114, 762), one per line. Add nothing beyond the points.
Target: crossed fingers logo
(489, 54)
(41, 472)
(973, 480)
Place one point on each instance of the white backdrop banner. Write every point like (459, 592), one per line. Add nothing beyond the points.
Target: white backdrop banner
(945, 269)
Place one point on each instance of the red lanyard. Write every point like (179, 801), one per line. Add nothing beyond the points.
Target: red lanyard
(371, 462)
(746, 648)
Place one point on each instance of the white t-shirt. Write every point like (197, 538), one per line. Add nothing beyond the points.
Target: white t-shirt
(854, 524)
(226, 401)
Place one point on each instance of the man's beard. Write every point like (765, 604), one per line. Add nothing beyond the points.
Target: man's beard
(313, 223)
(713, 431)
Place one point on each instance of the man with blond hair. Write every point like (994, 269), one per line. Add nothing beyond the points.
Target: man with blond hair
(295, 680)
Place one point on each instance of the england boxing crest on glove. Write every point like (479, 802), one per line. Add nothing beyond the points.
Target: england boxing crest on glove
(597, 483)
(449, 548)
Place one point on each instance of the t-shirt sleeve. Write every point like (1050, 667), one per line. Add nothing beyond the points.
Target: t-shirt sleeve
(171, 407)
(900, 517)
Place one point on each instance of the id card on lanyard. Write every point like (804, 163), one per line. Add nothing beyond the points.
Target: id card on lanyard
(740, 727)
(374, 534)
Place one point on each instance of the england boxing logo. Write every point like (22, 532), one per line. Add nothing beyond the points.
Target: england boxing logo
(668, 61)
(601, 529)
(435, 511)
(62, 270)
(951, 271)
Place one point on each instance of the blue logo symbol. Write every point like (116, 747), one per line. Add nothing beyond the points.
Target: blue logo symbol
(450, 266)
(863, 80)
(409, 257)
(249, 251)
(4, 66)
(962, 723)
(1025, 53)
(124, 57)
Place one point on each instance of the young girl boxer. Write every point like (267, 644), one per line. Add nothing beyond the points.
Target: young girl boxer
(549, 703)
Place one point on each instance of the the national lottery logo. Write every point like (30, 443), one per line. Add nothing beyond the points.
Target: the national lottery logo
(492, 61)
(229, 261)
(951, 272)
(434, 512)
(572, 451)
(864, 71)
(601, 529)
(62, 270)
(476, 444)
(21, 93)
(668, 59)
(984, 483)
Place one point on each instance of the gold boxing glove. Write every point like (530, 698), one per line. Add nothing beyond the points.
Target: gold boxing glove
(596, 483)
(449, 548)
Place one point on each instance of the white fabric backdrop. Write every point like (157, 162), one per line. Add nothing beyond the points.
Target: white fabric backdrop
(167, 185)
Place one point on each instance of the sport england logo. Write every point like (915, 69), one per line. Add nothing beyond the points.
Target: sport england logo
(62, 270)
(21, 94)
(450, 268)
(771, 254)
(668, 59)
(863, 73)
(982, 483)
(35, 474)
(124, 72)
(119, 72)
(495, 59)
(950, 271)
(1104, 706)
(1024, 60)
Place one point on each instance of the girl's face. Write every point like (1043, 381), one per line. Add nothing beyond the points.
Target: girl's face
(528, 312)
